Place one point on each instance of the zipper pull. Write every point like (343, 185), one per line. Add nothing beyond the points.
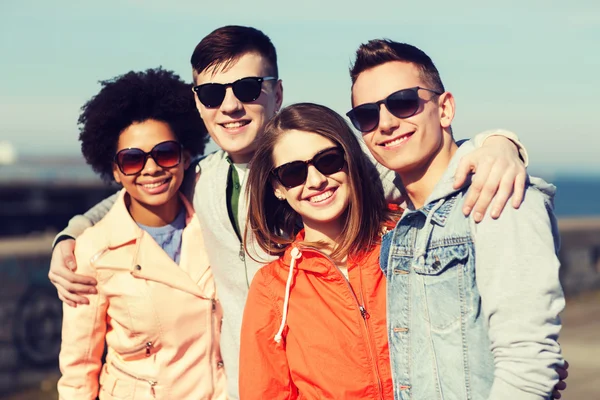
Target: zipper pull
(242, 253)
(363, 312)
(152, 390)
(148, 349)
(214, 305)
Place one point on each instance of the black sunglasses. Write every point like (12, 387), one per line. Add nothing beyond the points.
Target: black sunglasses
(245, 89)
(327, 162)
(403, 104)
(165, 154)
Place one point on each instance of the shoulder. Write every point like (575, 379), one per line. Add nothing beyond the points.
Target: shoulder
(211, 160)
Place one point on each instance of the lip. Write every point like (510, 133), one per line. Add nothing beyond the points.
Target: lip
(325, 202)
(163, 187)
(237, 129)
(406, 136)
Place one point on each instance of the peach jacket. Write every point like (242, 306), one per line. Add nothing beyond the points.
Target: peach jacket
(160, 321)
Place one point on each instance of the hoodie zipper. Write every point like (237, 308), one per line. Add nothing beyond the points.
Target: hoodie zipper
(151, 382)
(363, 313)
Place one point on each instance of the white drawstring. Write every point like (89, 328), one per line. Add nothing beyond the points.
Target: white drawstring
(296, 254)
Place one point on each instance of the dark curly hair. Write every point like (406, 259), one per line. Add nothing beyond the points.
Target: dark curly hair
(136, 97)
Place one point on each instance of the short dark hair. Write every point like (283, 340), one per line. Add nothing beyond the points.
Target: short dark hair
(154, 94)
(224, 46)
(380, 51)
(274, 222)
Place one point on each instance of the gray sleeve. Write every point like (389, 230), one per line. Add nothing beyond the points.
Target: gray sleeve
(80, 223)
(518, 278)
(392, 186)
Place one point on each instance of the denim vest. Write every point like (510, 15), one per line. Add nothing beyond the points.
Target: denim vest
(439, 345)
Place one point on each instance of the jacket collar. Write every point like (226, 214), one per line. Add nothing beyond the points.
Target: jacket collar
(312, 258)
(132, 248)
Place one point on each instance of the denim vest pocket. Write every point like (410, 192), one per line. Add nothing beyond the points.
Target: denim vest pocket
(442, 280)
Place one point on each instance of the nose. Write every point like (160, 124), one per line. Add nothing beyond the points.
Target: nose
(230, 103)
(151, 167)
(314, 178)
(388, 122)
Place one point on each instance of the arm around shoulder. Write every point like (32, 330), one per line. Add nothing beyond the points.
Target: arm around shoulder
(80, 223)
(517, 272)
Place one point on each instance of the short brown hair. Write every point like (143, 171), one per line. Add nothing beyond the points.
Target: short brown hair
(224, 46)
(275, 224)
(380, 51)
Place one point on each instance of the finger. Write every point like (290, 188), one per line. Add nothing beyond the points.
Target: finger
(70, 277)
(465, 167)
(519, 189)
(566, 366)
(67, 301)
(488, 191)
(561, 385)
(562, 373)
(69, 297)
(476, 186)
(72, 287)
(505, 190)
(556, 394)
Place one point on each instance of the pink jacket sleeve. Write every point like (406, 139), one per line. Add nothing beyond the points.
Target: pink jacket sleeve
(83, 336)
(264, 370)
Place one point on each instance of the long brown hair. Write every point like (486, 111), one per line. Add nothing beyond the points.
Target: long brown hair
(274, 223)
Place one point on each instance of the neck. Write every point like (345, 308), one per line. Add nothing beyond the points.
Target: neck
(420, 181)
(154, 216)
(327, 233)
(241, 158)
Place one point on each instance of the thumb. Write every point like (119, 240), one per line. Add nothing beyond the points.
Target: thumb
(462, 172)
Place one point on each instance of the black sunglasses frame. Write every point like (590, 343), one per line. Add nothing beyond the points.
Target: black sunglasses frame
(375, 107)
(276, 172)
(258, 79)
(150, 153)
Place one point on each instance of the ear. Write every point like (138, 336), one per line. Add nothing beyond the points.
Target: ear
(278, 95)
(278, 192)
(446, 109)
(198, 104)
(116, 173)
(187, 159)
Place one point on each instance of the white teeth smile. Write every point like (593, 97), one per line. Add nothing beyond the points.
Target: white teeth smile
(321, 197)
(396, 142)
(233, 125)
(153, 185)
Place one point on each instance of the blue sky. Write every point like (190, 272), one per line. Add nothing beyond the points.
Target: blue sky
(528, 66)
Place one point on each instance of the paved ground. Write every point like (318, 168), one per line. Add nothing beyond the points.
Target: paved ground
(580, 340)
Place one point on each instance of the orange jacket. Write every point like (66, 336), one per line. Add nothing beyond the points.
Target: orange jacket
(334, 340)
(160, 320)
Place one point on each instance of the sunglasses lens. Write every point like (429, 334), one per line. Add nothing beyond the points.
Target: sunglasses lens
(365, 118)
(403, 104)
(330, 162)
(293, 174)
(131, 161)
(211, 94)
(247, 89)
(167, 154)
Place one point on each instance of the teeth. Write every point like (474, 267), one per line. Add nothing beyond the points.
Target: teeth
(321, 197)
(396, 141)
(153, 185)
(237, 124)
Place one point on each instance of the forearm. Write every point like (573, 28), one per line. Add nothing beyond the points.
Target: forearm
(80, 223)
(479, 140)
(517, 276)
